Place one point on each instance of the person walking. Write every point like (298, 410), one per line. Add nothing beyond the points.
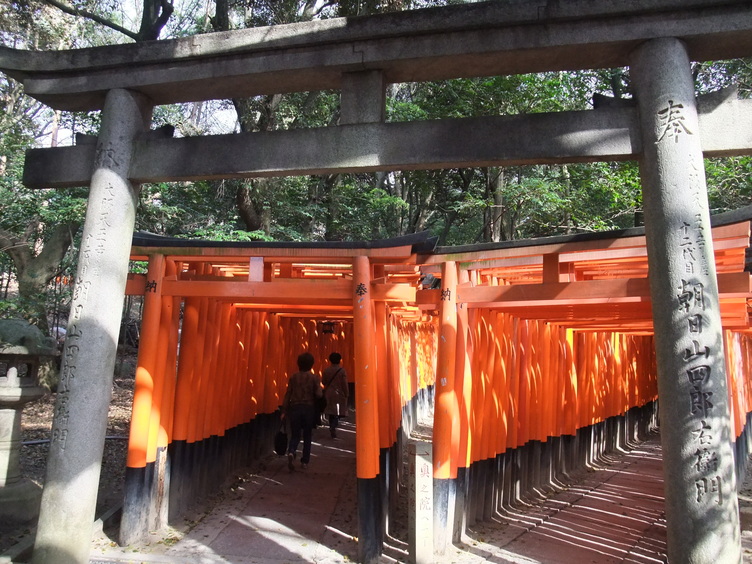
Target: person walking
(336, 392)
(298, 407)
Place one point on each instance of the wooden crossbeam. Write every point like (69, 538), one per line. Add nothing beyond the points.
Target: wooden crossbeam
(303, 292)
(612, 291)
(623, 315)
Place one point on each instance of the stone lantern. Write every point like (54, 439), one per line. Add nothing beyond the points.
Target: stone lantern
(23, 348)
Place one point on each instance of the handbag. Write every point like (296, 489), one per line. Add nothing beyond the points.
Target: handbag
(320, 405)
(280, 441)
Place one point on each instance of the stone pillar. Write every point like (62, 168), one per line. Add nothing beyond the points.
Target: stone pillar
(80, 420)
(701, 503)
(363, 97)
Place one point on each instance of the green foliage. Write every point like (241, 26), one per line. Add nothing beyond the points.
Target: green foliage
(28, 307)
(226, 233)
(364, 212)
(496, 95)
(180, 209)
(714, 75)
(10, 309)
(603, 196)
(729, 183)
(30, 214)
(85, 123)
(532, 201)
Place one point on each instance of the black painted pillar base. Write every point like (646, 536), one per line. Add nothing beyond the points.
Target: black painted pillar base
(134, 524)
(384, 464)
(444, 500)
(460, 500)
(369, 520)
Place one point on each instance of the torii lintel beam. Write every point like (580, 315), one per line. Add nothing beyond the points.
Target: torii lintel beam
(492, 38)
(605, 134)
(283, 291)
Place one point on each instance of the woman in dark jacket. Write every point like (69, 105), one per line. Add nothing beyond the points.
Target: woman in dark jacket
(299, 409)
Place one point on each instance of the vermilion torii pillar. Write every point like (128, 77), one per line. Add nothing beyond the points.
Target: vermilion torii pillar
(446, 428)
(80, 420)
(366, 415)
(701, 502)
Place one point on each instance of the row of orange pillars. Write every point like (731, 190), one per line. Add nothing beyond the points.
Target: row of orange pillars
(517, 403)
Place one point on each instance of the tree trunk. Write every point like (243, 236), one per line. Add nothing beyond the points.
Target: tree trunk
(498, 199)
(567, 192)
(328, 184)
(494, 214)
(249, 207)
(35, 272)
(154, 18)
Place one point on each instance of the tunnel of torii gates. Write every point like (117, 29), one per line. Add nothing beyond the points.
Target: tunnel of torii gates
(544, 348)
(537, 357)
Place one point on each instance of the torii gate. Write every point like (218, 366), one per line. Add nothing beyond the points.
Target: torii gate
(546, 345)
(668, 132)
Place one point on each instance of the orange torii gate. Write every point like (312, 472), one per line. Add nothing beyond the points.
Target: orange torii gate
(546, 347)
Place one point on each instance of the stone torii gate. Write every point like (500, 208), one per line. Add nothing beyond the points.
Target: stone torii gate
(668, 132)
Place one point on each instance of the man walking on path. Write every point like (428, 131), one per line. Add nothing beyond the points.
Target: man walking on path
(336, 392)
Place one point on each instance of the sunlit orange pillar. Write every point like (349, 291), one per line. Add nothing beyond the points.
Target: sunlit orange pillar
(241, 389)
(463, 379)
(208, 330)
(523, 414)
(513, 384)
(386, 437)
(163, 342)
(571, 405)
(180, 459)
(286, 350)
(491, 428)
(480, 371)
(170, 362)
(136, 494)
(254, 373)
(184, 385)
(366, 415)
(162, 400)
(446, 412)
(396, 380)
(503, 328)
(463, 386)
(271, 399)
(387, 462)
(546, 376)
(221, 372)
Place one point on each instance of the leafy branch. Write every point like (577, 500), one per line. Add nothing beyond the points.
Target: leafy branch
(155, 16)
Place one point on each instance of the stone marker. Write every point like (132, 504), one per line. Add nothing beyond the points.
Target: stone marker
(23, 347)
(420, 502)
